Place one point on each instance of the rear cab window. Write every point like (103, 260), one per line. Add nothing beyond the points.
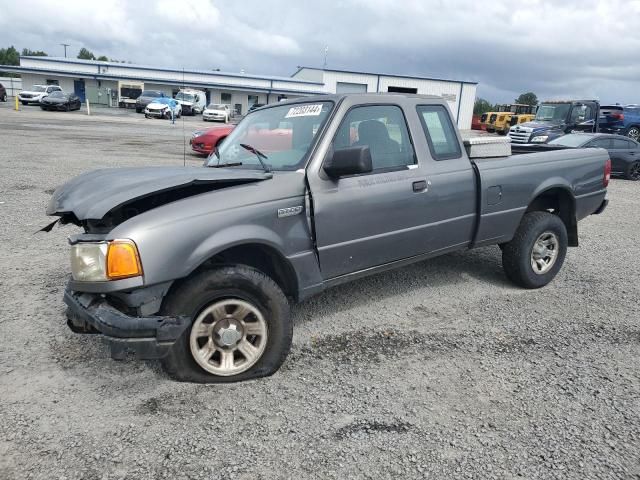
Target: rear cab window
(440, 132)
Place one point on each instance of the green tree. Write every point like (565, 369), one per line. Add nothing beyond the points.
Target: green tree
(103, 58)
(528, 98)
(85, 54)
(9, 56)
(33, 53)
(481, 106)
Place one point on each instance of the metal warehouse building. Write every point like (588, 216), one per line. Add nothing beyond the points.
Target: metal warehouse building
(114, 84)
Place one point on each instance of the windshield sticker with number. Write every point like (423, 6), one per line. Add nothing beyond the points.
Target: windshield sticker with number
(305, 111)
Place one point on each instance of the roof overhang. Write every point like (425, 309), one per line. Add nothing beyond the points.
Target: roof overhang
(109, 77)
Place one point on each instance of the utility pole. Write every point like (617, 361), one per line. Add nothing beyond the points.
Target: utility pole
(65, 45)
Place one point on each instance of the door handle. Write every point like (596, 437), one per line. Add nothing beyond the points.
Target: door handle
(420, 186)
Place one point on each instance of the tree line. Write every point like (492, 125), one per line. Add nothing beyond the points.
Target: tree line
(11, 56)
(483, 106)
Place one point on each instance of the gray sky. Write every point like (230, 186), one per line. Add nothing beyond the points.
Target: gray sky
(568, 48)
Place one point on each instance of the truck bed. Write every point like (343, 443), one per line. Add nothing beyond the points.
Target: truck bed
(509, 184)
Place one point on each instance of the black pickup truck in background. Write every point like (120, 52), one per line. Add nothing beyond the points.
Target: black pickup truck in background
(554, 119)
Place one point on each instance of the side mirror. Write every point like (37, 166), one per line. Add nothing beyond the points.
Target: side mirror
(348, 161)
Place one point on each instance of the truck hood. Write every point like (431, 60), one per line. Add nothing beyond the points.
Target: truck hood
(121, 193)
(541, 125)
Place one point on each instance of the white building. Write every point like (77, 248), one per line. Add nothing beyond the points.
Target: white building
(112, 84)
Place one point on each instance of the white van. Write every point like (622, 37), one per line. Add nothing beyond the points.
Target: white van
(193, 101)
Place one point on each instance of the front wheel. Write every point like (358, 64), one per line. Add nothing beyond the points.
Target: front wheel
(632, 171)
(4, 97)
(241, 328)
(634, 133)
(537, 251)
(25, 103)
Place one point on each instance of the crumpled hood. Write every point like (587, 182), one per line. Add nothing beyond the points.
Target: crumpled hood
(94, 194)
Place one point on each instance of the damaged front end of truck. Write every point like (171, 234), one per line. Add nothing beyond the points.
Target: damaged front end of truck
(108, 292)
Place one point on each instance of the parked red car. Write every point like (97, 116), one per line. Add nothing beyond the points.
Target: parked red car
(204, 141)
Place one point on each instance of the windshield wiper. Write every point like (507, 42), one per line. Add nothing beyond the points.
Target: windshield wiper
(258, 154)
(223, 165)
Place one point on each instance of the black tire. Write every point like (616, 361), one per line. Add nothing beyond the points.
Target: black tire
(42, 108)
(516, 254)
(25, 103)
(146, 116)
(634, 133)
(632, 172)
(4, 97)
(233, 281)
(67, 107)
(138, 110)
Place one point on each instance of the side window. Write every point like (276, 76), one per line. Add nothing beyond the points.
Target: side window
(601, 143)
(581, 114)
(383, 129)
(621, 144)
(440, 132)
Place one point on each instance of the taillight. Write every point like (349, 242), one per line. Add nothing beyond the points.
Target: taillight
(618, 116)
(607, 172)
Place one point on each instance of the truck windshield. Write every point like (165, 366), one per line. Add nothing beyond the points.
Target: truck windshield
(185, 97)
(553, 112)
(283, 135)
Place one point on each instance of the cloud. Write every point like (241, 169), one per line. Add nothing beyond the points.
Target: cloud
(574, 48)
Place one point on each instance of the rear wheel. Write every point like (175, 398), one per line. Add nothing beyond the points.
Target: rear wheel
(537, 251)
(4, 97)
(240, 328)
(634, 133)
(633, 171)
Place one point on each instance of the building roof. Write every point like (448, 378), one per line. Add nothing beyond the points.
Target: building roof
(414, 77)
(162, 81)
(174, 70)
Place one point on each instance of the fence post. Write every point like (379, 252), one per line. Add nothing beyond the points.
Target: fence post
(88, 107)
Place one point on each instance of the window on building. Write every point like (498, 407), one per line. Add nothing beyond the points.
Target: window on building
(225, 98)
(282, 98)
(252, 100)
(441, 136)
(391, 89)
(383, 129)
(52, 82)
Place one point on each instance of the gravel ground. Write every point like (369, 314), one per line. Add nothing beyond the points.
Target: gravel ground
(439, 370)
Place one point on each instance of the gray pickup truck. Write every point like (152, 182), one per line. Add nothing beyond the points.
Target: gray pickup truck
(197, 265)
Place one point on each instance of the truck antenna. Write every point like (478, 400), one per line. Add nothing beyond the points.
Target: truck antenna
(184, 142)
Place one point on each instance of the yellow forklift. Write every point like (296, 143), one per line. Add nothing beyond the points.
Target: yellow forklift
(501, 120)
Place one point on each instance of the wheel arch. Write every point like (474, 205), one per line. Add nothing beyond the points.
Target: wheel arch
(558, 199)
(261, 255)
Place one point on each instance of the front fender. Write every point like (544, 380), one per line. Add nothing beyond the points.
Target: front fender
(231, 237)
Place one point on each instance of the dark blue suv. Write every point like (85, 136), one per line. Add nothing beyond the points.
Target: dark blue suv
(623, 120)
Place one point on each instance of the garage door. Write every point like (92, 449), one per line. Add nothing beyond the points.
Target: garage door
(345, 87)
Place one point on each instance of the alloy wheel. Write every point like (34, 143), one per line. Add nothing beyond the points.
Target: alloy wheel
(228, 337)
(544, 253)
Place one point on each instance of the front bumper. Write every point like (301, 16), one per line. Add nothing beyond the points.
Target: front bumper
(200, 147)
(30, 99)
(211, 116)
(147, 337)
(155, 113)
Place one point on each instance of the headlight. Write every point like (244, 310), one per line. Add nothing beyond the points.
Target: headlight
(88, 262)
(99, 262)
(540, 139)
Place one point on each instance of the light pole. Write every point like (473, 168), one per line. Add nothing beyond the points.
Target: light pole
(65, 45)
